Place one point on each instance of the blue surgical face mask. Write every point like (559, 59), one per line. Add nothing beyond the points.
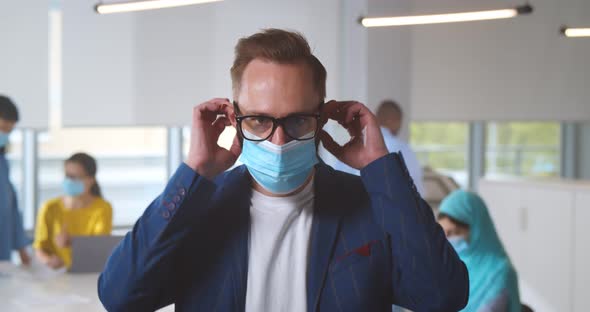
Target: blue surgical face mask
(280, 169)
(3, 139)
(73, 187)
(459, 243)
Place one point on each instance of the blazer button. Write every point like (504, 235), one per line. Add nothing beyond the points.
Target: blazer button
(171, 206)
(165, 214)
(181, 191)
(176, 199)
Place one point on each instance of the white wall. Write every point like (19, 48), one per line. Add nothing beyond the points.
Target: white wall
(175, 63)
(98, 66)
(150, 68)
(24, 58)
(516, 69)
(390, 58)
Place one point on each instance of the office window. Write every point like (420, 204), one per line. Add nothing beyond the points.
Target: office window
(131, 165)
(529, 149)
(225, 139)
(442, 146)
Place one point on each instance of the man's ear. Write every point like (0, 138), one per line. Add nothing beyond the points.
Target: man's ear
(232, 117)
(233, 121)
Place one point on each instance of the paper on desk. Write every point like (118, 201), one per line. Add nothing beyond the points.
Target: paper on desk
(39, 271)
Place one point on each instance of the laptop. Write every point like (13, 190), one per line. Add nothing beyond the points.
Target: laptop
(90, 253)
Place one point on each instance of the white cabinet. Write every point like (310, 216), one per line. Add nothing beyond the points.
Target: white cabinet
(503, 202)
(582, 251)
(548, 222)
(544, 228)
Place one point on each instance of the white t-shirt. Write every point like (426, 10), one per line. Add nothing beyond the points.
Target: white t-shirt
(279, 245)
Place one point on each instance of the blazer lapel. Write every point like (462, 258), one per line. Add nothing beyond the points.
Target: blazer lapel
(324, 232)
(237, 193)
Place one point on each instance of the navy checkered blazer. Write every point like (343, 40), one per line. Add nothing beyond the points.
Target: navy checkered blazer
(374, 243)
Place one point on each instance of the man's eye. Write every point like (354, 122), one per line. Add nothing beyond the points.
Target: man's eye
(298, 121)
(260, 120)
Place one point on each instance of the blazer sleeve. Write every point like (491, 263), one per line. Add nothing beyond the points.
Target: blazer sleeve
(427, 274)
(139, 275)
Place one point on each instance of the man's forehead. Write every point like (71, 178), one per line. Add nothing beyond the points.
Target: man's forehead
(277, 89)
(277, 108)
(261, 74)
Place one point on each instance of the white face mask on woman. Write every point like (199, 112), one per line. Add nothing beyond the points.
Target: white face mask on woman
(3, 139)
(459, 243)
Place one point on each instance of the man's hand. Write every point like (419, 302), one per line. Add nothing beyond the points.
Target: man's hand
(206, 157)
(366, 143)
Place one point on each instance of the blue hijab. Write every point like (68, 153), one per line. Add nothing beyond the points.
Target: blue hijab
(490, 270)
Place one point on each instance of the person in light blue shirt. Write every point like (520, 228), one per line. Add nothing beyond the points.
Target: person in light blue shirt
(12, 234)
(493, 282)
(390, 117)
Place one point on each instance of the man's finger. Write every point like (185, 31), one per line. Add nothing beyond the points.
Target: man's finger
(355, 110)
(212, 107)
(220, 123)
(334, 110)
(330, 107)
(220, 100)
(330, 145)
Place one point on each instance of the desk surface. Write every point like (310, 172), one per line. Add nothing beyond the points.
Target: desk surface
(34, 289)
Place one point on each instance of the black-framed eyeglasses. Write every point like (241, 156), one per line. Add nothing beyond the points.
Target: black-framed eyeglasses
(258, 128)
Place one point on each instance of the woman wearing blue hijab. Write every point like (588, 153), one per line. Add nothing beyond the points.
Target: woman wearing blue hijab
(469, 228)
(12, 234)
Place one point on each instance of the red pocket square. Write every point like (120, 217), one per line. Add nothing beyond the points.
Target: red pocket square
(364, 250)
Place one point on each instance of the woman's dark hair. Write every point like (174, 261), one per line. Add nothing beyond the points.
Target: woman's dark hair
(9, 112)
(455, 221)
(89, 164)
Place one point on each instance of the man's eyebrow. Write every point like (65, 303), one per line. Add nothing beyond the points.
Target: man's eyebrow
(254, 113)
(259, 113)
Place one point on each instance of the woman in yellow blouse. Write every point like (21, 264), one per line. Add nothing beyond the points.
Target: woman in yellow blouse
(81, 211)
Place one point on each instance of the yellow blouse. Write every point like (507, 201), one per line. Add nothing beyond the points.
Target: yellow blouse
(96, 219)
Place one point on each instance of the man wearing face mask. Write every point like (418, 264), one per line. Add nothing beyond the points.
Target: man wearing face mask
(12, 233)
(284, 232)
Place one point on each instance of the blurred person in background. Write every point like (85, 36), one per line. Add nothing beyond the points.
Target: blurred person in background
(493, 283)
(12, 233)
(390, 117)
(81, 211)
